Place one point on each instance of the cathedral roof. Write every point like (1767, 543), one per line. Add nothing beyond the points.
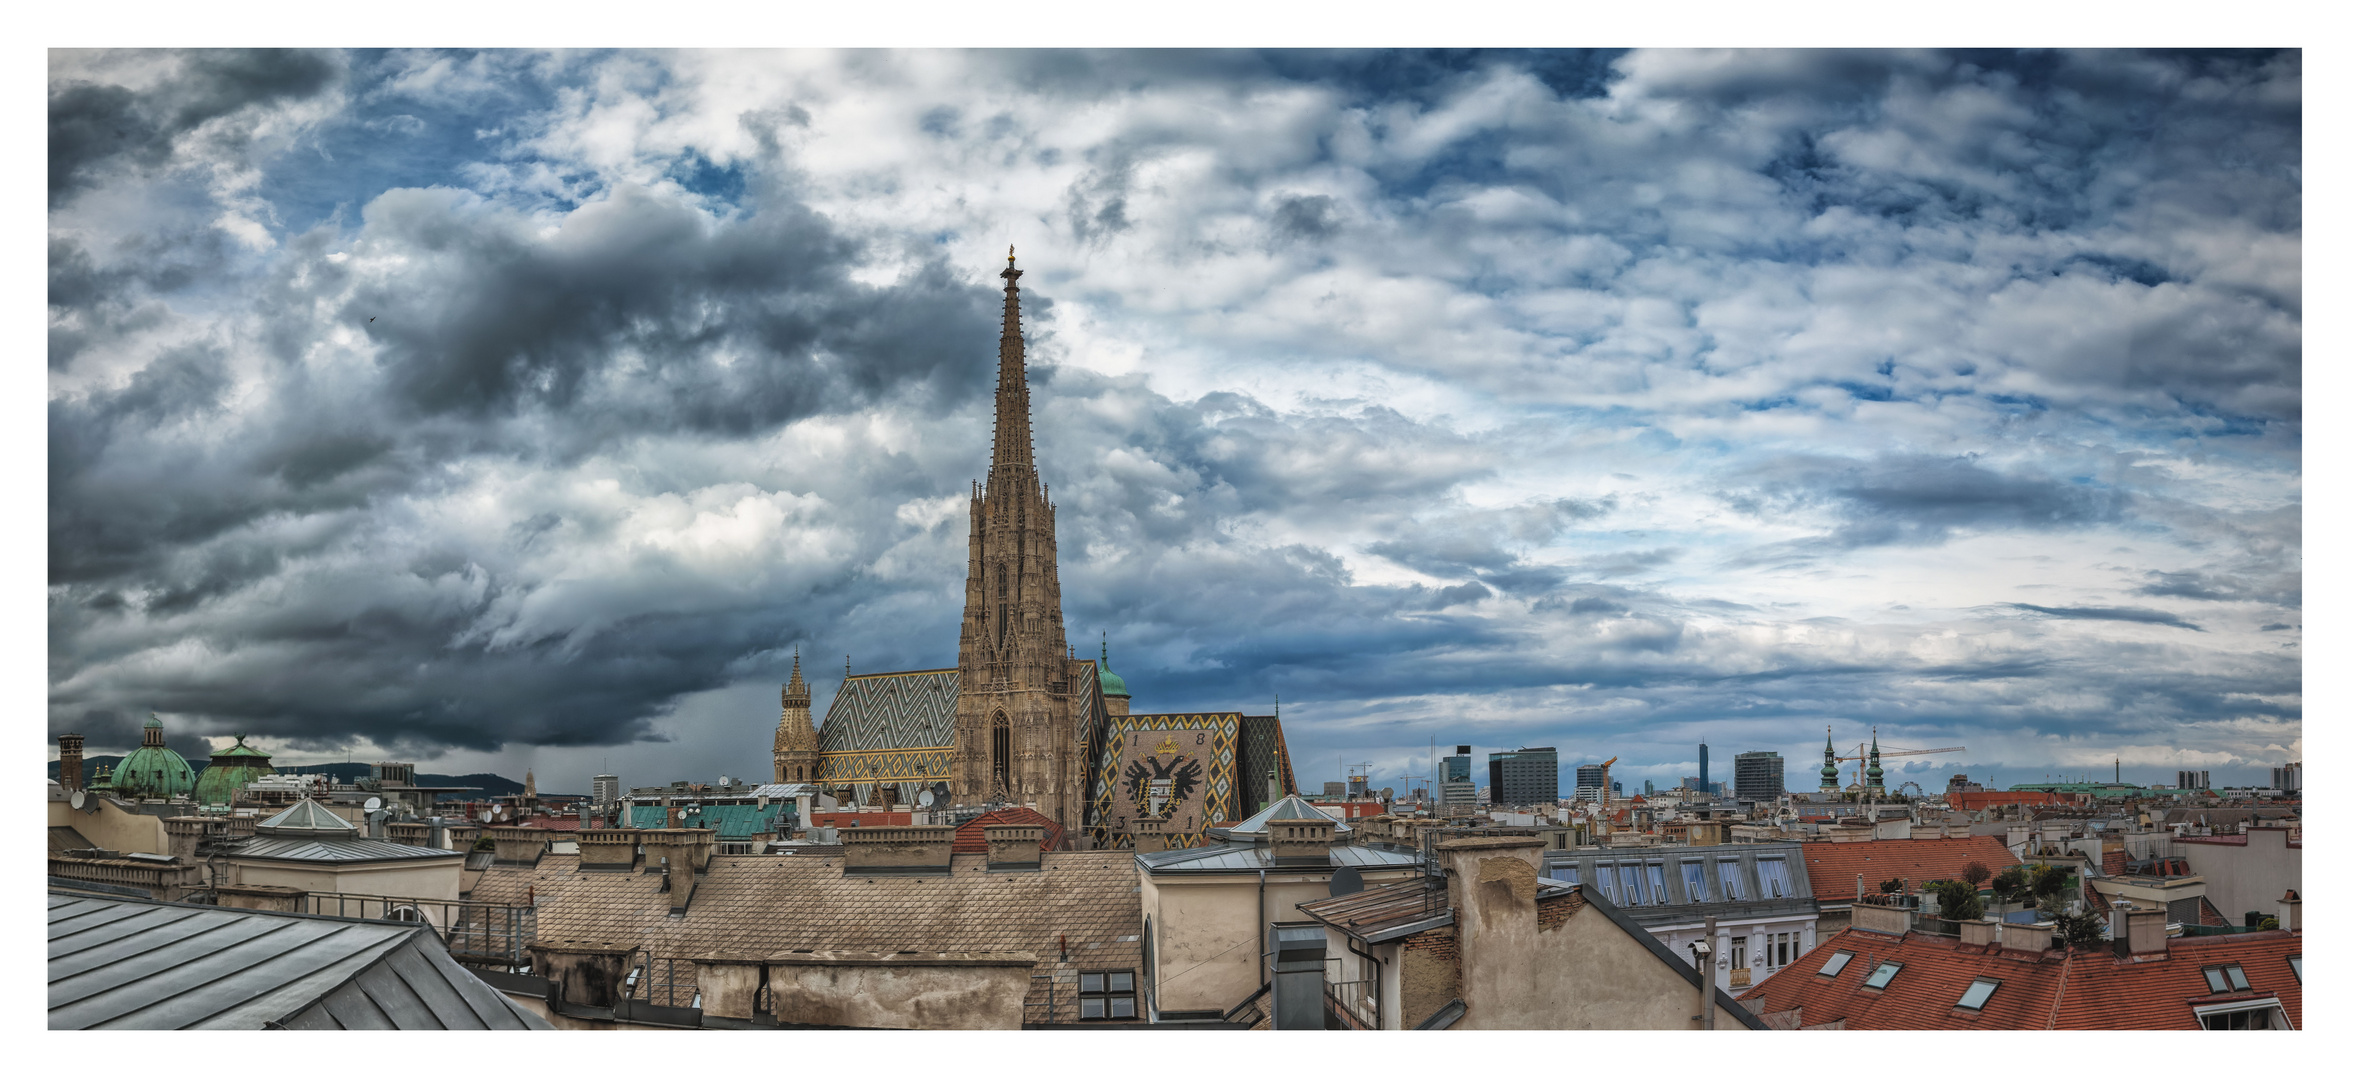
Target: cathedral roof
(901, 710)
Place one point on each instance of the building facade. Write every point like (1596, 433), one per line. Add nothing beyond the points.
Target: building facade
(1530, 776)
(2192, 779)
(1760, 894)
(1758, 775)
(1589, 783)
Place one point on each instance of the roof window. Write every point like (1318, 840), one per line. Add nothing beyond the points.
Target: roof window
(1978, 994)
(1833, 966)
(2295, 972)
(1882, 975)
(2226, 978)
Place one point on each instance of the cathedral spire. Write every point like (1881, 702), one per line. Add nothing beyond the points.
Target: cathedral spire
(1010, 450)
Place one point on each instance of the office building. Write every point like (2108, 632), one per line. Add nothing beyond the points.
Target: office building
(1692, 784)
(2192, 779)
(1529, 776)
(1758, 775)
(1589, 784)
(605, 789)
(2286, 777)
(1457, 766)
(1705, 765)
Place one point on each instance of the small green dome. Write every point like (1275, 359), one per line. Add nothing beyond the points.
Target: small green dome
(154, 772)
(1114, 685)
(229, 772)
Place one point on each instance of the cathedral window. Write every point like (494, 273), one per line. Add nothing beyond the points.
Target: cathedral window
(1001, 752)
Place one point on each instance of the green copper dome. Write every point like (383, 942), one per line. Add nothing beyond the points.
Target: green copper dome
(1114, 685)
(154, 771)
(229, 772)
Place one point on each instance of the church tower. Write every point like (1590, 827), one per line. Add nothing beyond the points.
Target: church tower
(795, 753)
(1014, 740)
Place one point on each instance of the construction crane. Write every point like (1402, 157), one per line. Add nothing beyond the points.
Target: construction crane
(1857, 772)
(1365, 773)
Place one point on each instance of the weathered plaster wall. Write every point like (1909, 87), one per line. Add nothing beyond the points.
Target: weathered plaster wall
(113, 828)
(913, 996)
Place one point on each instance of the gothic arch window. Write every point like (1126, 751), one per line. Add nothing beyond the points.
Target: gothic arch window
(1001, 753)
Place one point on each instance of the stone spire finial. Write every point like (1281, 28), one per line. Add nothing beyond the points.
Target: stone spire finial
(1010, 452)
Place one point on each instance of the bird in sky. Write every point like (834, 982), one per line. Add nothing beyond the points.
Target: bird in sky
(372, 318)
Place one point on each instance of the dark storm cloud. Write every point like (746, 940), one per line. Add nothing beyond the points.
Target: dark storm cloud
(2153, 616)
(96, 127)
(662, 384)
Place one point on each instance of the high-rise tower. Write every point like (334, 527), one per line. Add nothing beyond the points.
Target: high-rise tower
(795, 752)
(1014, 735)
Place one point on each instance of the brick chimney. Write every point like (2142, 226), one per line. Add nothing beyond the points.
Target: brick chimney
(1014, 847)
(2147, 932)
(2287, 911)
(897, 849)
(1147, 833)
(69, 762)
(1300, 841)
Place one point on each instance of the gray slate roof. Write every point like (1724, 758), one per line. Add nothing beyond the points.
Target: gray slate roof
(308, 817)
(133, 964)
(336, 850)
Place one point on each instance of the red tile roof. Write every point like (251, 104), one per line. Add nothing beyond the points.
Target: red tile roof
(970, 840)
(1833, 868)
(1981, 800)
(2087, 990)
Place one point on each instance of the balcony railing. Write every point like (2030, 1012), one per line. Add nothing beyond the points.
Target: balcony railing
(476, 932)
(1357, 1004)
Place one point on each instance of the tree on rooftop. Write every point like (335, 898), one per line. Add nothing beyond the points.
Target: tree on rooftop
(1958, 900)
(1894, 885)
(1976, 873)
(2079, 931)
(2011, 886)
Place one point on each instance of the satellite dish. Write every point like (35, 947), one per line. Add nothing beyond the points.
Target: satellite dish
(923, 798)
(77, 798)
(1345, 881)
(373, 804)
(486, 817)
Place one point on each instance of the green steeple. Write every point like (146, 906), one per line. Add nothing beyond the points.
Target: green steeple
(1114, 685)
(1830, 775)
(1873, 764)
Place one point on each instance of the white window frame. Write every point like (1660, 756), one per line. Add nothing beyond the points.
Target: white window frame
(1839, 962)
(2271, 1007)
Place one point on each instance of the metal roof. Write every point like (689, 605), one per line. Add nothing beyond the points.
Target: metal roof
(1289, 808)
(306, 816)
(132, 964)
(336, 850)
(1232, 857)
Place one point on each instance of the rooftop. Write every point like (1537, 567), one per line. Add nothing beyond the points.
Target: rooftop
(133, 964)
(2086, 990)
(1833, 867)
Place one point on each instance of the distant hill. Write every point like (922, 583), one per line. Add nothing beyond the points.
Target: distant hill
(344, 771)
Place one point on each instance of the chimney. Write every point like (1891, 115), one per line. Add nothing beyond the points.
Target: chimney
(2287, 911)
(1146, 833)
(610, 849)
(517, 845)
(1300, 841)
(1297, 968)
(2147, 933)
(1013, 847)
(463, 836)
(683, 852)
(2025, 937)
(1980, 931)
(670, 817)
(897, 849)
(436, 836)
(2119, 912)
(411, 833)
(183, 834)
(69, 762)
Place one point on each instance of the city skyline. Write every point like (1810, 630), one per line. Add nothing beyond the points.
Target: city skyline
(507, 410)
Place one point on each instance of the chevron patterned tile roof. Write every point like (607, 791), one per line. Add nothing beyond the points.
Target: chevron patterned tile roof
(900, 710)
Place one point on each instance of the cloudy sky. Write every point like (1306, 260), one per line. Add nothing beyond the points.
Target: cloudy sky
(494, 410)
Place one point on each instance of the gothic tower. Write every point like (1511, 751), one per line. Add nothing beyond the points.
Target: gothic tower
(1873, 767)
(1830, 775)
(795, 753)
(1014, 738)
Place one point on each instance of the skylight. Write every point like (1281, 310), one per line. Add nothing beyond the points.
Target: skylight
(1833, 966)
(1882, 975)
(2226, 978)
(1978, 994)
(2295, 972)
